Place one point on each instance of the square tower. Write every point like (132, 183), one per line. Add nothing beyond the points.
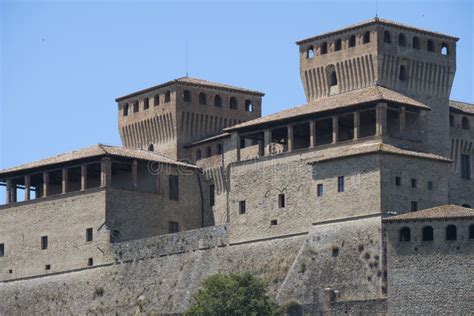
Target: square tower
(418, 63)
(169, 116)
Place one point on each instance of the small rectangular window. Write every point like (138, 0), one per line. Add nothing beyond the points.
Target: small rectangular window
(89, 234)
(430, 185)
(212, 195)
(44, 242)
(340, 184)
(174, 187)
(273, 222)
(173, 227)
(146, 104)
(2, 250)
(414, 206)
(90, 262)
(466, 167)
(320, 189)
(242, 207)
(281, 200)
(398, 181)
(413, 183)
(47, 267)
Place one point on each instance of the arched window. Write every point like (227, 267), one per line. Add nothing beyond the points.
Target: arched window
(451, 120)
(219, 149)
(402, 75)
(324, 48)
(366, 37)
(198, 154)
(233, 103)
(444, 49)
(135, 106)
(416, 42)
(156, 100)
(202, 98)
(465, 123)
(208, 151)
(386, 37)
(218, 101)
(151, 147)
(125, 109)
(466, 205)
(248, 106)
(402, 40)
(186, 96)
(333, 78)
(338, 45)
(451, 233)
(430, 46)
(427, 233)
(310, 52)
(167, 96)
(405, 234)
(352, 41)
(471, 231)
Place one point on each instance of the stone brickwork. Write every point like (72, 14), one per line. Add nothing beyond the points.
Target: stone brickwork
(430, 277)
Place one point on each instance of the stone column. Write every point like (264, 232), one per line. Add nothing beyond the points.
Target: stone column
(8, 196)
(27, 188)
(83, 177)
(238, 139)
(134, 175)
(267, 139)
(290, 135)
(335, 129)
(312, 133)
(402, 120)
(45, 183)
(381, 121)
(64, 181)
(261, 148)
(105, 172)
(13, 193)
(356, 125)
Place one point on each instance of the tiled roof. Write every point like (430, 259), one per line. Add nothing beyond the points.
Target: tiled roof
(344, 151)
(462, 106)
(93, 151)
(192, 82)
(208, 139)
(438, 212)
(375, 21)
(354, 97)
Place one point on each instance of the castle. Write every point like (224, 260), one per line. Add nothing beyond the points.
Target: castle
(359, 201)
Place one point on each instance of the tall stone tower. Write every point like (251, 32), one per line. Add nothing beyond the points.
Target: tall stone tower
(167, 117)
(417, 63)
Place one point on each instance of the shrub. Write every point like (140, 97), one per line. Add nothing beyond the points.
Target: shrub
(232, 294)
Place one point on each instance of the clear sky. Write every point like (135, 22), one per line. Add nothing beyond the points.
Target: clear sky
(64, 62)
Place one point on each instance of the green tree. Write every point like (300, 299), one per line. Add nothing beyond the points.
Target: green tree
(233, 294)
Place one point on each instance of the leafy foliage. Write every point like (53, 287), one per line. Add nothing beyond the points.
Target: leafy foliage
(233, 294)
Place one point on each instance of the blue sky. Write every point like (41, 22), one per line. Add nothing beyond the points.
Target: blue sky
(64, 62)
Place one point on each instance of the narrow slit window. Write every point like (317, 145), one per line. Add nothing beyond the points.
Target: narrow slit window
(2, 250)
(212, 195)
(89, 234)
(242, 207)
(320, 189)
(281, 200)
(340, 184)
(44, 242)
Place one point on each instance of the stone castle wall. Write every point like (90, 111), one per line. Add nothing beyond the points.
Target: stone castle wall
(430, 277)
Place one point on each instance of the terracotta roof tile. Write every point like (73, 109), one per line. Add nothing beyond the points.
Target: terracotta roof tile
(438, 212)
(462, 106)
(375, 21)
(354, 97)
(192, 82)
(344, 151)
(96, 150)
